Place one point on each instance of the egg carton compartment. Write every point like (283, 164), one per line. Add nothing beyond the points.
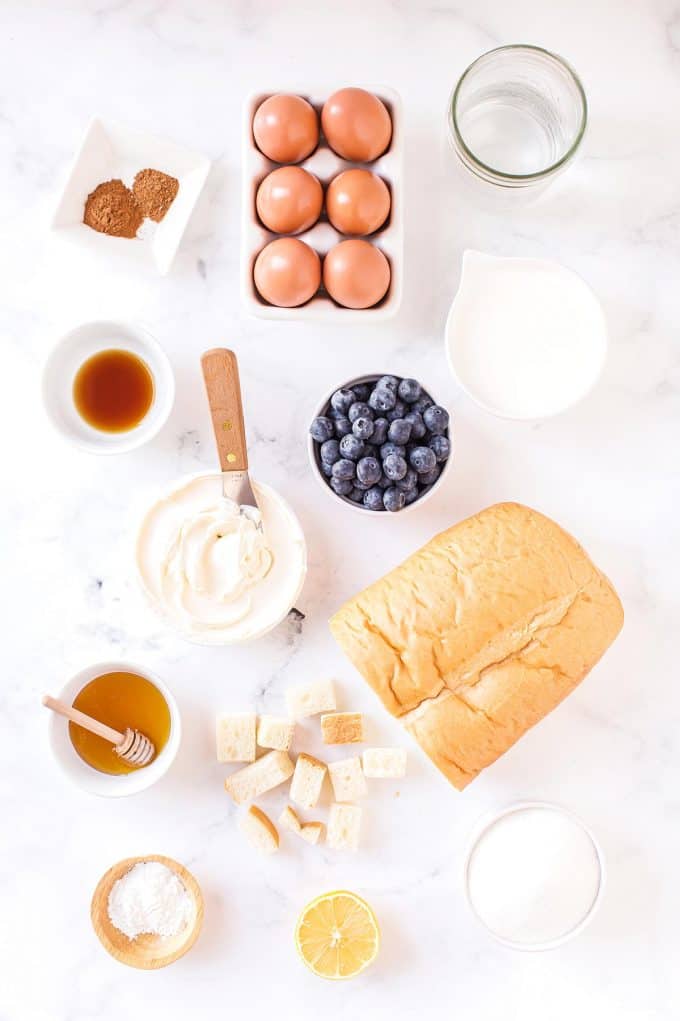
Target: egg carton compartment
(324, 164)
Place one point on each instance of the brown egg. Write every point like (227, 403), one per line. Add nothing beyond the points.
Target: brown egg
(287, 272)
(289, 200)
(357, 202)
(286, 128)
(356, 124)
(356, 274)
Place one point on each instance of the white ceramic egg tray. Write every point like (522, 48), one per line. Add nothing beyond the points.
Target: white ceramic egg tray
(325, 165)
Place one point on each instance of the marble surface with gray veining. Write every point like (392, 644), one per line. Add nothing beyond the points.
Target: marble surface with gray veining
(608, 471)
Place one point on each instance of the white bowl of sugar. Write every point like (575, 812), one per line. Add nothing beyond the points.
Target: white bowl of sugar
(534, 875)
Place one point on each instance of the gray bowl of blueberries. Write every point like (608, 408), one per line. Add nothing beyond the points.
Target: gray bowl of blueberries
(380, 443)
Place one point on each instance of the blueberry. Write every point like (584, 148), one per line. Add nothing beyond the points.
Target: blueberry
(412, 495)
(373, 499)
(394, 499)
(321, 429)
(395, 467)
(429, 478)
(330, 451)
(384, 482)
(332, 413)
(344, 469)
(387, 383)
(440, 445)
(342, 400)
(409, 481)
(362, 391)
(409, 390)
(398, 411)
(363, 428)
(422, 459)
(352, 447)
(343, 487)
(399, 431)
(382, 400)
(357, 495)
(392, 448)
(436, 419)
(363, 486)
(342, 426)
(418, 428)
(359, 410)
(422, 403)
(327, 469)
(380, 427)
(369, 470)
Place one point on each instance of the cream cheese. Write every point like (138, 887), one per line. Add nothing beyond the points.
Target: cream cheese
(217, 576)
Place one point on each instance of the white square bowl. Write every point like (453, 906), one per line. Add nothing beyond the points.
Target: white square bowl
(325, 165)
(111, 150)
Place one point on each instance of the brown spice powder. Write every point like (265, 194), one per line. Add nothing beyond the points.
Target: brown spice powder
(155, 192)
(111, 209)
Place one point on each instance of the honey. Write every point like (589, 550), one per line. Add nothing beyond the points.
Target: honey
(120, 700)
(113, 390)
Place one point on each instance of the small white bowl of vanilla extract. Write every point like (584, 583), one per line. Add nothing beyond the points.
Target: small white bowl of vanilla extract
(120, 695)
(108, 387)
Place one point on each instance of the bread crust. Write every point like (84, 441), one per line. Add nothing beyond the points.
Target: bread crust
(481, 633)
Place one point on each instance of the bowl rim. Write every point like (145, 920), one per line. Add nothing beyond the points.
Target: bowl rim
(164, 382)
(152, 602)
(89, 779)
(489, 820)
(369, 377)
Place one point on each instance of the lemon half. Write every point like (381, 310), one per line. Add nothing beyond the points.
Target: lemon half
(337, 935)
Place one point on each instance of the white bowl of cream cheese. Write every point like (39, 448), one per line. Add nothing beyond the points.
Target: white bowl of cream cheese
(210, 571)
(525, 338)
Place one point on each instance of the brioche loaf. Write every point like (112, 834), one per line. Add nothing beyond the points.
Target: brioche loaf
(481, 633)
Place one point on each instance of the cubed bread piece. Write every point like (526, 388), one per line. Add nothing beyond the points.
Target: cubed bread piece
(253, 780)
(347, 779)
(305, 790)
(342, 728)
(259, 830)
(481, 633)
(288, 820)
(275, 732)
(236, 737)
(309, 831)
(311, 699)
(312, 832)
(344, 823)
(384, 763)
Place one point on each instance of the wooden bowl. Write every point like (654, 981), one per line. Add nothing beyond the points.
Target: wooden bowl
(147, 950)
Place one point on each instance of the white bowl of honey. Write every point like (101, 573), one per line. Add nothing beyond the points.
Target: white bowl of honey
(120, 695)
(108, 387)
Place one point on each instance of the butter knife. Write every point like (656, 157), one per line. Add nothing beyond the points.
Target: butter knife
(223, 387)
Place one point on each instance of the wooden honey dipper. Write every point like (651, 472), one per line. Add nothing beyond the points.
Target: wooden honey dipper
(132, 746)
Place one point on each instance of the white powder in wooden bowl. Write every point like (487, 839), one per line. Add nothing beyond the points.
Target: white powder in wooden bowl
(150, 898)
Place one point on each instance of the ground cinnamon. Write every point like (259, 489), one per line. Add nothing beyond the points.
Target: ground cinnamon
(155, 192)
(111, 209)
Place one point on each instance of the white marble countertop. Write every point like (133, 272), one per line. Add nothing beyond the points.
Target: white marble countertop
(608, 471)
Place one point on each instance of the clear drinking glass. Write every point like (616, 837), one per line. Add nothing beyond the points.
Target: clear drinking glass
(517, 116)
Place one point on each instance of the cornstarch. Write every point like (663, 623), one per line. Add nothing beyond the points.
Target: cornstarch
(150, 898)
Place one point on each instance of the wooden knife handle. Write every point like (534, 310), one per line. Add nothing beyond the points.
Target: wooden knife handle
(223, 386)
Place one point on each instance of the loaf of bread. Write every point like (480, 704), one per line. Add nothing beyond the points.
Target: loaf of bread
(481, 633)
